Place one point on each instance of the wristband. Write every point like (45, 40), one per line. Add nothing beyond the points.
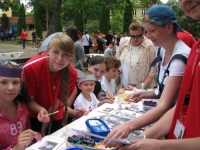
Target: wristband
(142, 86)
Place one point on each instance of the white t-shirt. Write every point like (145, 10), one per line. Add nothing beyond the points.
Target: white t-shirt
(131, 61)
(81, 102)
(108, 87)
(177, 66)
(85, 39)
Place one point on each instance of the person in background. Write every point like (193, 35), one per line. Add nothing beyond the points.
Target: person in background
(79, 36)
(184, 117)
(108, 80)
(125, 34)
(85, 41)
(34, 38)
(109, 50)
(118, 38)
(109, 37)
(54, 75)
(15, 125)
(23, 37)
(100, 42)
(79, 59)
(137, 52)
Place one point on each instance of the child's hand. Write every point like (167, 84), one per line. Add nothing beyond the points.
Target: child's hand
(24, 139)
(110, 97)
(110, 101)
(79, 113)
(129, 88)
(85, 113)
(43, 115)
(121, 91)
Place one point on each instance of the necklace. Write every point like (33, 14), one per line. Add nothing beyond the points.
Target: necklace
(54, 83)
(133, 69)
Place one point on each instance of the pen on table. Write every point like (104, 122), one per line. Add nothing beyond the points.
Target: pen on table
(52, 113)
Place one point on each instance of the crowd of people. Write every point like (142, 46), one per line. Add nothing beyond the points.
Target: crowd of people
(158, 57)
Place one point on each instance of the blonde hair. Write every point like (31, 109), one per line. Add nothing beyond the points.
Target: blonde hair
(64, 43)
(146, 18)
(136, 25)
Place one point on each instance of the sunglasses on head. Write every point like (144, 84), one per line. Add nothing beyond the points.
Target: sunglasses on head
(136, 36)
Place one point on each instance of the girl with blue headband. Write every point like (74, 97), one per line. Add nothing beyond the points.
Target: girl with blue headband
(15, 127)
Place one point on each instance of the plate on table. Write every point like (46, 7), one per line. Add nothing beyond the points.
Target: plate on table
(121, 98)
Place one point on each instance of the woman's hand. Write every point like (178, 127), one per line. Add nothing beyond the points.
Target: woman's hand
(150, 144)
(43, 115)
(122, 131)
(135, 97)
(24, 139)
(141, 86)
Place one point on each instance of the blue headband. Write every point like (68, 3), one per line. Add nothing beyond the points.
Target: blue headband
(10, 72)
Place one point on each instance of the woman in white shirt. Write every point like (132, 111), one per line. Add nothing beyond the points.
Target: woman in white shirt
(85, 41)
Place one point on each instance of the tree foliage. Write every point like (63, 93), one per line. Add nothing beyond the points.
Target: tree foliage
(15, 6)
(184, 21)
(21, 20)
(127, 15)
(39, 19)
(79, 15)
(5, 24)
(104, 23)
(43, 11)
(4, 5)
(149, 3)
(59, 24)
(55, 18)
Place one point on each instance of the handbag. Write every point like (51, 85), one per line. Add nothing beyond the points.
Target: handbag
(89, 41)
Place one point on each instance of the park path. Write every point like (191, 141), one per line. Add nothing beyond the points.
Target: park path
(10, 46)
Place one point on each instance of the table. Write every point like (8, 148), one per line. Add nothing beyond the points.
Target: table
(80, 123)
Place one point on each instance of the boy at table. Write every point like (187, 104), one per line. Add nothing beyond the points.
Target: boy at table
(86, 100)
(108, 84)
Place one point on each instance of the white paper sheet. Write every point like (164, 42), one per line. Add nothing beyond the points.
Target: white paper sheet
(47, 143)
(124, 74)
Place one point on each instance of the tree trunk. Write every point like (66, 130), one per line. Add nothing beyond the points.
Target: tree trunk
(54, 20)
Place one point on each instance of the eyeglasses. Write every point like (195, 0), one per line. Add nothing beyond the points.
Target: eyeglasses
(136, 36)
(5, 62)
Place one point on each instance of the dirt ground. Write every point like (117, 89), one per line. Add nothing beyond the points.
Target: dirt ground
(10, 46)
